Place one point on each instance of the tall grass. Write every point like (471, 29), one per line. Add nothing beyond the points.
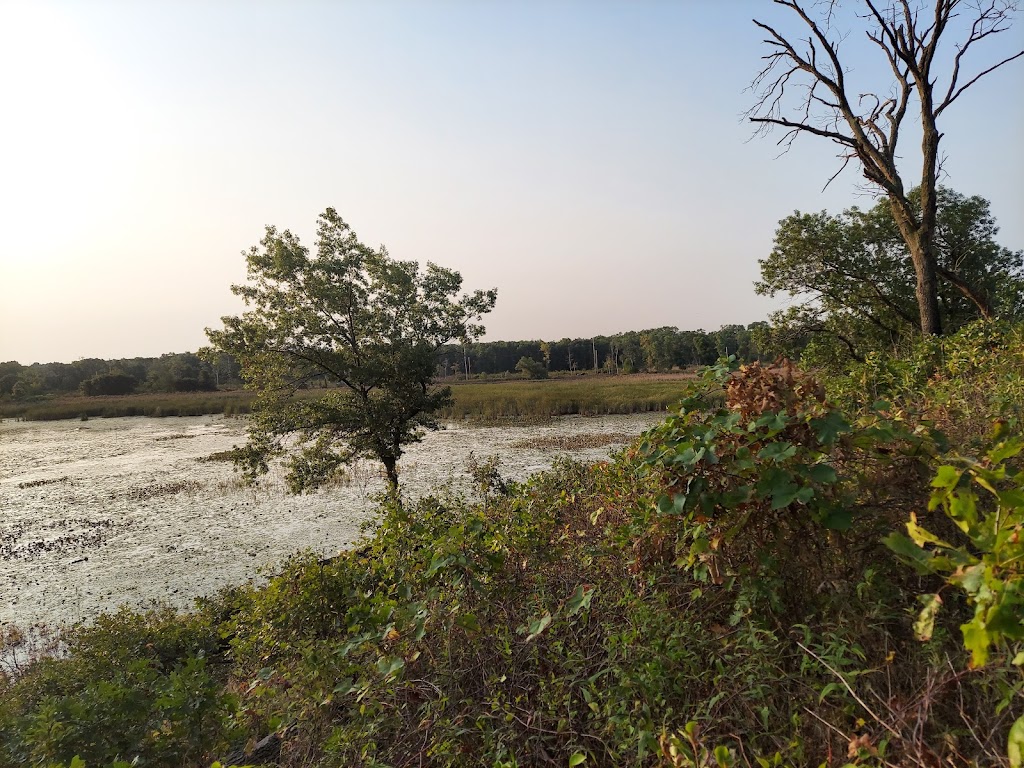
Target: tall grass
(154, 404)
(587, 396)
(484, 401)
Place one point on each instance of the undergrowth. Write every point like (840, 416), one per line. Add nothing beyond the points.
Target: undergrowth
(772, 577)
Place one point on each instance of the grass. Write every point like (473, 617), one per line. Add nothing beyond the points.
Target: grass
(585, 395)
(485, 401)
(149, 404)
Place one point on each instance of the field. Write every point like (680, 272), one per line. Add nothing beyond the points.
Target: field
(482, 400)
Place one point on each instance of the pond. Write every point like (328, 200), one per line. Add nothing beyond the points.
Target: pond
(105, 512)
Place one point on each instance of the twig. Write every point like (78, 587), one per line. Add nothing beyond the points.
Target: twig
(853, 693)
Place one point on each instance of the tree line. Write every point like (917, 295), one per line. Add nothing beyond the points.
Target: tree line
(652, 350)
(172, 372)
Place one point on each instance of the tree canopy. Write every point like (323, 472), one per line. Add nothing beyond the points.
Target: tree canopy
(351, 318)
(855, 281)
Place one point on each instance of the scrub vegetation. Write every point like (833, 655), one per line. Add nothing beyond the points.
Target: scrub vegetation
(785, 572)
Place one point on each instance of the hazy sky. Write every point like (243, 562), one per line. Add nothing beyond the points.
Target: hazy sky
(587, 158)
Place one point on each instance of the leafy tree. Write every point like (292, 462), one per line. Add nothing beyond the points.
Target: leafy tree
(367, 324)
(109, 384)
(856, 281)
(866, 123)
(531, 369)
(662, 348)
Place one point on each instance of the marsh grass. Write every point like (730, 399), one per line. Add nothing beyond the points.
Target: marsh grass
(150, 404)
(586, 396)
(493, 401)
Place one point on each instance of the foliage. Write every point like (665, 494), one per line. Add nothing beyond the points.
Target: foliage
(356, 319)
(961, 382)
(130, 687)
(856, 281)
(989, 565)
(771, 480)
(531, 369)
(109, 384)
(577, 618)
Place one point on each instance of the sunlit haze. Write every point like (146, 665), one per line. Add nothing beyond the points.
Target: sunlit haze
(588, 159)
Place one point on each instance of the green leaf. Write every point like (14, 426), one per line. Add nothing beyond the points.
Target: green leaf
(925, 624)
(777, 452)
(1005, 450)
(388, 666)
(343, 687)
(905, 548)
(976, 640)
(828, 428)
(784, 495)
(468, 621)
(1015, 744)
(577, 759)
(773, 422)
(946, 477)
(437, 562)
(829, 688)
(723, 758)
(838, 519)
(822, 473)
(580, 599)
(777, 484)
(537, 626)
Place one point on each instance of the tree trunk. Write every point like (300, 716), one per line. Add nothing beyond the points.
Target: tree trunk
(391, 468)
(927, 288)
(917, 235)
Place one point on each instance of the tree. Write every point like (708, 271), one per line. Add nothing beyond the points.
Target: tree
(867, 125)
(367, 324)
(109, 384)
(531, 369)
(855, 279)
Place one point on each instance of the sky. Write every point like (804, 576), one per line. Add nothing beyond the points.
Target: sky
(589, 159)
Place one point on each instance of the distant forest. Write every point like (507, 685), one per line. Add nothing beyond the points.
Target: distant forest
(652, 350)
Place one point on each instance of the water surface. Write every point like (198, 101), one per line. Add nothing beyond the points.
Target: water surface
(100, 513)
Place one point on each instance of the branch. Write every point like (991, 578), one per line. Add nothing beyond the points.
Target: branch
(839, 138)
(951, 97)
(976, 297)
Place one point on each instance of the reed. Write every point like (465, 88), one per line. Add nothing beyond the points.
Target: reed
(482, 400)
(150, 404)
(586, 396)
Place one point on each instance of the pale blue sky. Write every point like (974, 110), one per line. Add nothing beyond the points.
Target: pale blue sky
(587, 158)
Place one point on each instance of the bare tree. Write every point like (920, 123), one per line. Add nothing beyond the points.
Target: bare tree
(867, 125)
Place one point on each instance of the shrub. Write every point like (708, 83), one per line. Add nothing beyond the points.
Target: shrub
(109, 384)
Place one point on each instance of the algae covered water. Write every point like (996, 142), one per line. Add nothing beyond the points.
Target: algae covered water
(107, 512)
